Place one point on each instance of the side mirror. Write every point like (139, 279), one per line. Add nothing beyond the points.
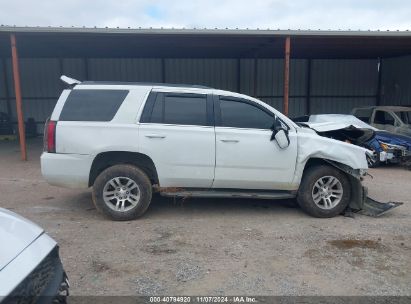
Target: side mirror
(281, 137)
(280, 134)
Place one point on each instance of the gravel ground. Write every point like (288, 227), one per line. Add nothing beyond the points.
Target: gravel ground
(217, 247)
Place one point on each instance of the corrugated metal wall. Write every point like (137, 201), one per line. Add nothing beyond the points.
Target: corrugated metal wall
(125, 69)
(336, 85)
(40, 86)
(216, 73)
(396, 81)
(3, 100)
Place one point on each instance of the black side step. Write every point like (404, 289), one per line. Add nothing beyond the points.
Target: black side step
(228, 194)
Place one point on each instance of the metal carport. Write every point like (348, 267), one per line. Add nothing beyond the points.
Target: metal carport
(328, 71)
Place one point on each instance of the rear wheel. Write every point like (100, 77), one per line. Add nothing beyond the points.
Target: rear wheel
(324, 191)
(122, 192)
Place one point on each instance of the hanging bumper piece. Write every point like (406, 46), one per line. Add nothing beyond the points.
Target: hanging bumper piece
(362, 204)
(374, 208)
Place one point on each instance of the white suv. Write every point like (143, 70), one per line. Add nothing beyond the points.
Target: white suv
(127, 140)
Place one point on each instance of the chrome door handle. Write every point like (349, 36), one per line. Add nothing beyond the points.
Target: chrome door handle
(230, 140)
(155, 136)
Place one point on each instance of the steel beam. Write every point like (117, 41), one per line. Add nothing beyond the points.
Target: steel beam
(286, 74)
(61, 72)
(308, 88)
(238, 75)
(85, 65)
(6, 88)
(255, 75)
(379, 92)
(17, 89)
(163, 70)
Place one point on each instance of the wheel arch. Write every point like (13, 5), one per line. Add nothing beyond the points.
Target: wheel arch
(349, 171)
(353, 175)
(105, 160)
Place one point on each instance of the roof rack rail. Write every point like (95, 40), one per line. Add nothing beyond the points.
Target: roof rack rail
(145, 83)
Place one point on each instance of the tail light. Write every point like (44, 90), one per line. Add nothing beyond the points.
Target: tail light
(50, 136)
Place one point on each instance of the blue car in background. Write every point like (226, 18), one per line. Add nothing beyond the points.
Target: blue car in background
(396, 146)
(387, 147)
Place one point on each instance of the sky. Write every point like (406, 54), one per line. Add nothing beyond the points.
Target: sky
(262, 14)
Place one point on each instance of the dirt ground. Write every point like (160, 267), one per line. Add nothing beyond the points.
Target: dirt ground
(217, 246)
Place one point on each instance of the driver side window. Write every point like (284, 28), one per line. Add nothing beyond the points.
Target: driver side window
(238, 113)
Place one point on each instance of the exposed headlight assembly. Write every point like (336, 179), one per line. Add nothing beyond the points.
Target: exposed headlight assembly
(386, 147)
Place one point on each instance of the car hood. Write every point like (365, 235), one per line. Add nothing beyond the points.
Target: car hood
(343, 131)
(336, 121)
(394, 139)
(16, 233)
(326, 126)
(312, 145)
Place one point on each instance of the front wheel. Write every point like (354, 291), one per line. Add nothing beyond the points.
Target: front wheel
(122, 192)
(324, 191)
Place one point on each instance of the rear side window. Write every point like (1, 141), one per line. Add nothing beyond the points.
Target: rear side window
(92, 105)
(177, 109)
(239, 114)
(185, 109)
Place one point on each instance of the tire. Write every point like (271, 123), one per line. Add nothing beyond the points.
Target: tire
(316, 201)
(122, 192)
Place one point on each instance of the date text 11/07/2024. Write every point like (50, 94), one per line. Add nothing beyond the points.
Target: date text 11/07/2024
(203, 299)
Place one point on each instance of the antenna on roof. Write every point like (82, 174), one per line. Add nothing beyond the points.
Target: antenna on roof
(70, 81)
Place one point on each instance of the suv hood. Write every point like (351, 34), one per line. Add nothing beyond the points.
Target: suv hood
(329, 126)
(16, 233)
(343, 131)
(313, 145)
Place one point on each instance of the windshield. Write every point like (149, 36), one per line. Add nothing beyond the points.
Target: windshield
(405, 116)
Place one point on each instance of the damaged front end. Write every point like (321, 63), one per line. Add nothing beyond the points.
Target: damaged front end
(345, 130)
(387, 147)
(360, 202)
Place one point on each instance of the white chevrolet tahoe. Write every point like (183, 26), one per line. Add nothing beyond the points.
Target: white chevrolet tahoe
(126, 140)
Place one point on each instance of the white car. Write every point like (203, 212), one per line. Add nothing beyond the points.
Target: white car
(126, 140)
(390, 118)
(30, 266)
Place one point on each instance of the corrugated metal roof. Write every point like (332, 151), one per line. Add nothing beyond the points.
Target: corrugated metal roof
(206, 31)
(81, 42)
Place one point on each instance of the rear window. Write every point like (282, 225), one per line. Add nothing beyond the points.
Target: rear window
(92, 105)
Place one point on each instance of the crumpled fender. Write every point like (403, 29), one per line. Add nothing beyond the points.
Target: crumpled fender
(312, 145)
